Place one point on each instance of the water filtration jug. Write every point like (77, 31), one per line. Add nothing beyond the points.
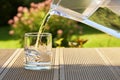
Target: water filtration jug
(81, 10)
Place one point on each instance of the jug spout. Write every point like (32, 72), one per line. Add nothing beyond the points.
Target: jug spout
(67, 13)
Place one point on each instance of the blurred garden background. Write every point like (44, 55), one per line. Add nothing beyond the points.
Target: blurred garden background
(20, 16)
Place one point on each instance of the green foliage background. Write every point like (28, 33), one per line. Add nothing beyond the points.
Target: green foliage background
(72, 31)
(8, 8)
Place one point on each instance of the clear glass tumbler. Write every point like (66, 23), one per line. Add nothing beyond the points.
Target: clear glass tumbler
(38, 51)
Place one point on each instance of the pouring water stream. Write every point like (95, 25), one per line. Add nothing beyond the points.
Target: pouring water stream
(58, 8)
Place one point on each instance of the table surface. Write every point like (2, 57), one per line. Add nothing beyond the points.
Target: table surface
(69, 64)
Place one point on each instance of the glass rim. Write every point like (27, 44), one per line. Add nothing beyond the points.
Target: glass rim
(36, 34)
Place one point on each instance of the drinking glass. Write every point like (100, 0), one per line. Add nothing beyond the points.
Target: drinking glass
(38, 52)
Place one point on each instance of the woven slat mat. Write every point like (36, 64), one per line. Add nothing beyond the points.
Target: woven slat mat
(85, 64)
(17, 72)
(75, 64)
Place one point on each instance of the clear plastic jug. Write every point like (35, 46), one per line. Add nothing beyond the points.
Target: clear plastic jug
(81, 10)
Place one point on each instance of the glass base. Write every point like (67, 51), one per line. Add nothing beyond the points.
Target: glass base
(38, 66)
